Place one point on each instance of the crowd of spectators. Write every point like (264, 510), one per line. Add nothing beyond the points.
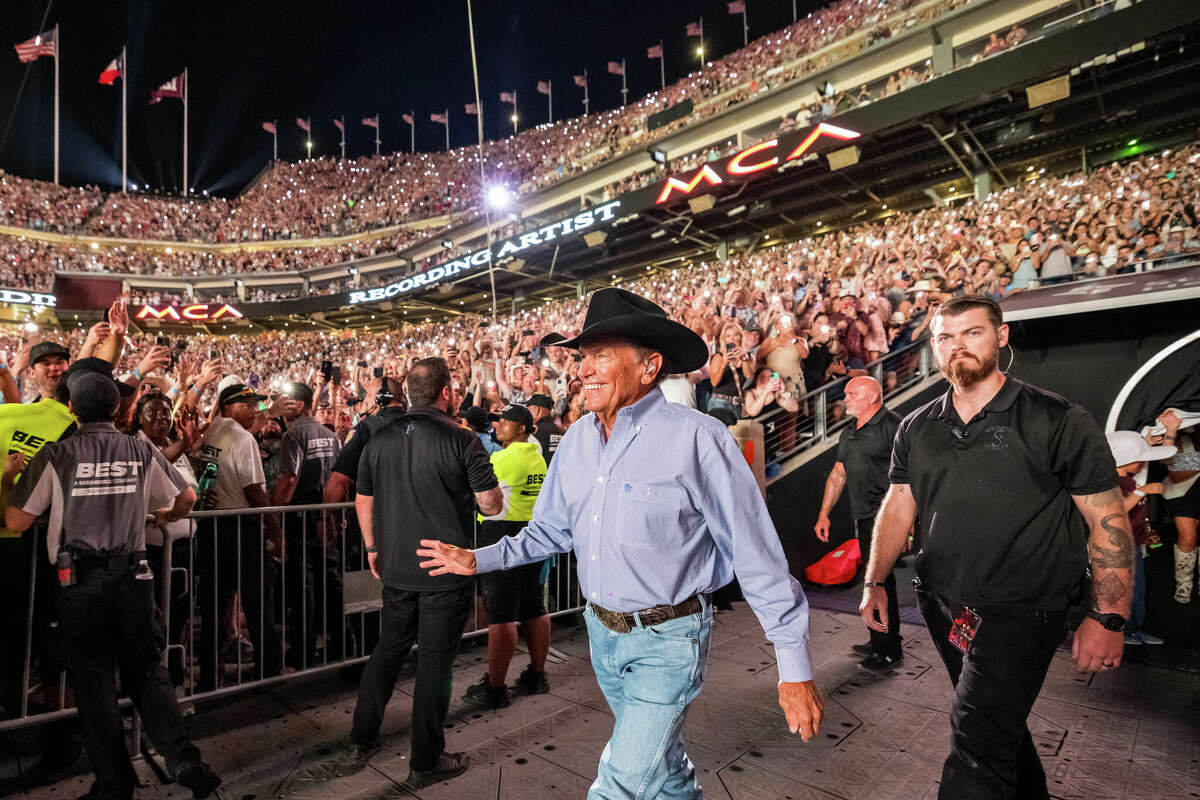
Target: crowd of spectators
(327, 196)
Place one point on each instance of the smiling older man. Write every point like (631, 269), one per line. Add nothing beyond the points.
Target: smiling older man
(661, 509)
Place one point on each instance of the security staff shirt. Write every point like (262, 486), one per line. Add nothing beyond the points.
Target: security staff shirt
(351, 452)
(999, 529)
(520, 469)
(98, 486)
(866, 454)
(548, 435)
(423, 472)
(27, 428)
(308, 450)
(239, 463)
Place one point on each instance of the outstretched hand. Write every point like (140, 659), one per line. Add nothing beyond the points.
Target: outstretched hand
(446, 559)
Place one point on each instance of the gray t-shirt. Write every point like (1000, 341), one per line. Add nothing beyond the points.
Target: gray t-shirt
(308, 450)
(98, 486)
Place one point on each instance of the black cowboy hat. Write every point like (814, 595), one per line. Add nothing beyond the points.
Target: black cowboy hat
(618, 313)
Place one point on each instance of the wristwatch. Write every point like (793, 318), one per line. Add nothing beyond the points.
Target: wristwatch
(1112, 622)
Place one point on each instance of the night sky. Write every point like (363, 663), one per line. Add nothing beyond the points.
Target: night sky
(253, 61)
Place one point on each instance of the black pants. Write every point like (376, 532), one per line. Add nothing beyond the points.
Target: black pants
(883, 644)
(992, 756)
(312, 590)
(107, 618)
(15, 572)
(216, 568)
(435, 621)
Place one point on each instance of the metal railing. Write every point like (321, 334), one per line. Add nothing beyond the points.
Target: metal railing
(789, 433)
(222, 594)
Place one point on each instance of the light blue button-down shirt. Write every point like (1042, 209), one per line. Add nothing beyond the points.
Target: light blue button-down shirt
(666, 508)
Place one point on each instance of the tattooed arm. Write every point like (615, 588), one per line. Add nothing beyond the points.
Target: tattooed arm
(1110, 550)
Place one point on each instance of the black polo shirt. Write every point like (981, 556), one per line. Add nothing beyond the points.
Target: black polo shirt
(423, 471)
(998, 527)
(866, 454)
(347, 460)
(548, 436)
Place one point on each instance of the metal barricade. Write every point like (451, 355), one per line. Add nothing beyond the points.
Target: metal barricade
(312, 608)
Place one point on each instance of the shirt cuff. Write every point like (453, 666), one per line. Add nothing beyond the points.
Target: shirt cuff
(488, 559)
(793, 664)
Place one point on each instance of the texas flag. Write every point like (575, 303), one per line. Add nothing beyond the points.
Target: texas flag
(581, 80)
(737, 7)
(695, 28)
(111, 72)
(341, 126)
(303, 123)
(438, 118)
(616, 67)
(654, 52)
(373, 122)
(269, 127)
(543, 87)
(406, 117)
(507, 97)
(472, 109)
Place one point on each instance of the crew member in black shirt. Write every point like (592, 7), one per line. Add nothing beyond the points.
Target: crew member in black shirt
(1016, 491)
(864, 454)
(428, 474)
(546, 431)
(98, 486)
(389, 399)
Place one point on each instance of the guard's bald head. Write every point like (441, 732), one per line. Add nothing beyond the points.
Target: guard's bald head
(872, 391)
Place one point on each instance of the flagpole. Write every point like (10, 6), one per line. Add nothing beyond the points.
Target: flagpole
(662, 65)
(376, 133)
(447, 130)
(550, 99)
(585, 92)
(275, 141)
(514, 114)
(124, 119)
(57, 58)
(186, 90)
(412, 132)
(624, 85)
(343, 137)
(745, 25)
(793, 12)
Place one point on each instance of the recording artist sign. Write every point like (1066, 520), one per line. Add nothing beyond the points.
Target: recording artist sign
(532, 238)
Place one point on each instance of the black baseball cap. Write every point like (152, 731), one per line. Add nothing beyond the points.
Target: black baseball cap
(93, 395)
(46, 350)
(541, 401)
(97, 366)
(298, 391)
(477, 418)
(515, 413)
(238, 393)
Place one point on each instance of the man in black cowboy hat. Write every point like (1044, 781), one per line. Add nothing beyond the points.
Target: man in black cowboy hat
(660, 508)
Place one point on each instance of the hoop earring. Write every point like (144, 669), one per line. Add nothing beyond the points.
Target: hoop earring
(1012, 356)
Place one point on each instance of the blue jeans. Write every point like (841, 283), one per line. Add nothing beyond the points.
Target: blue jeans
(648, 676)
(1137, 612)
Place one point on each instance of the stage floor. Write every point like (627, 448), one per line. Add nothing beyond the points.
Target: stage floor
(1131, 733)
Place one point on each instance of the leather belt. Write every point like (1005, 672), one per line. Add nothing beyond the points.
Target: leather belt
(621, 622)
(112, 561)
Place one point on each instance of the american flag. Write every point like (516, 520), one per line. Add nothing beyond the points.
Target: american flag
(341, 126)
(507, 97)
(438, 118)
(696, 28)
(616, 67)
(472, 109)
(737, 7)
(406, 117)
(581, 80)
(303, 123)
(269, 127)
(654, 52)
(173, 88)
(373, 122)
(543, 87)
(35, 48)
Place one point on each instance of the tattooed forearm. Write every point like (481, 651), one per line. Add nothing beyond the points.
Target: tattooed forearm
(1117, 552)
(1108, 591)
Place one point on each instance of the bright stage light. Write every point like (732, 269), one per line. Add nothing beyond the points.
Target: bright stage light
(498, 197)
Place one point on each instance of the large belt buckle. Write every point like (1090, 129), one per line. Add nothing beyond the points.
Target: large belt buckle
(613, 620)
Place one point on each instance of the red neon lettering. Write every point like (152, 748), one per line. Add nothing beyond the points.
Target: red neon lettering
(706, 173)
(150, 311)
(822, 129)
(227, 309)
(735, 166)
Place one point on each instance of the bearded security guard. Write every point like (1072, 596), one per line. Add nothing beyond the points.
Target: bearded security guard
(105, 588)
